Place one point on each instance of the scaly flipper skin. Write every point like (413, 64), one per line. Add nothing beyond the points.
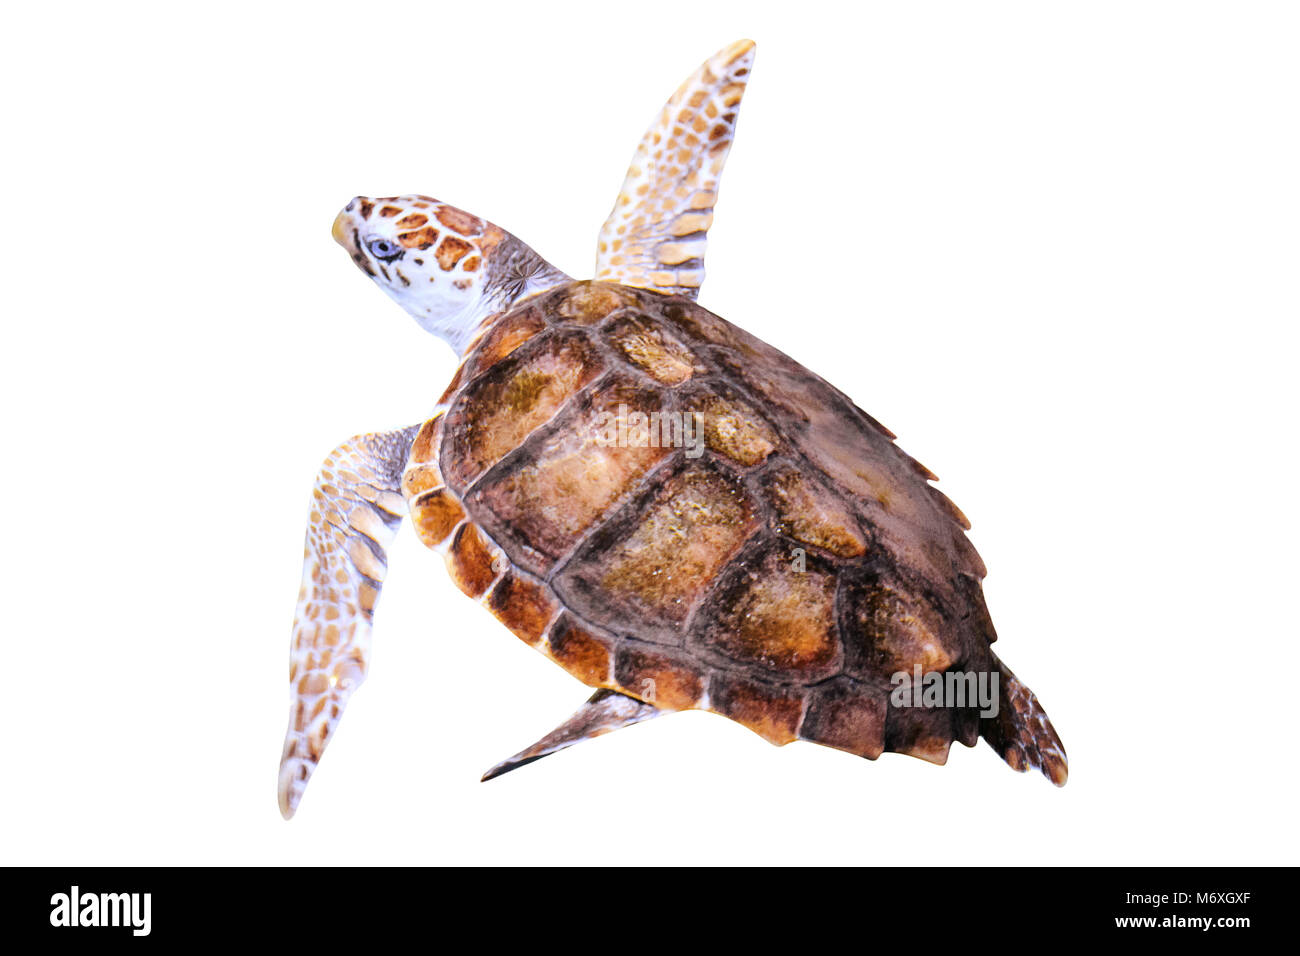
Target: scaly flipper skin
(1021, 733)
(656, 234)
(604, 711)
(356, 509)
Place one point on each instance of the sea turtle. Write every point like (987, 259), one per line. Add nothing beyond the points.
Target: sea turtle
(676, 513)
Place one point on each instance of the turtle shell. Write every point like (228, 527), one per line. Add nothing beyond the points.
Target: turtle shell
(669, 507)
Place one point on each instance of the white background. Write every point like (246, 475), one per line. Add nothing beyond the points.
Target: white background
(1054, 247)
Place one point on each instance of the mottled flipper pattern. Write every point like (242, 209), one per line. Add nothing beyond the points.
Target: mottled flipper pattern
(606, 710)
(356, 509)
(656, 234)
(1021, 733)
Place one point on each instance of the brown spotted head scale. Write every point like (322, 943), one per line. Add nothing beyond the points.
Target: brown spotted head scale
(448, 268)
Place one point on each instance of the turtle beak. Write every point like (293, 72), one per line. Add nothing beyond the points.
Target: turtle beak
(345, 234)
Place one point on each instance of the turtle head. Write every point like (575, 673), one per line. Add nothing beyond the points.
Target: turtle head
(449, 269)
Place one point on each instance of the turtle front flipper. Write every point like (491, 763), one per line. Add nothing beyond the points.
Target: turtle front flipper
(655, 236)
(356, 509)
(606, 710)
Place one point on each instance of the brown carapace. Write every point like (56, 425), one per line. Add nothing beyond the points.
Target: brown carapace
(778, 571)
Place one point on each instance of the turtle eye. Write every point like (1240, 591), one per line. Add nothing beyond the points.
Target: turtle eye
(385, 250)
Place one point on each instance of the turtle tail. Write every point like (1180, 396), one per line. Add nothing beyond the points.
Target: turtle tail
(1020, 731)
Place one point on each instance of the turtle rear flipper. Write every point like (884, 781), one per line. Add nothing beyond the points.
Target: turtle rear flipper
(1021, 733)
(606, 710)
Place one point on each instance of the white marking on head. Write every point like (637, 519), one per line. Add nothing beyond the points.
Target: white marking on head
(449, 269)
